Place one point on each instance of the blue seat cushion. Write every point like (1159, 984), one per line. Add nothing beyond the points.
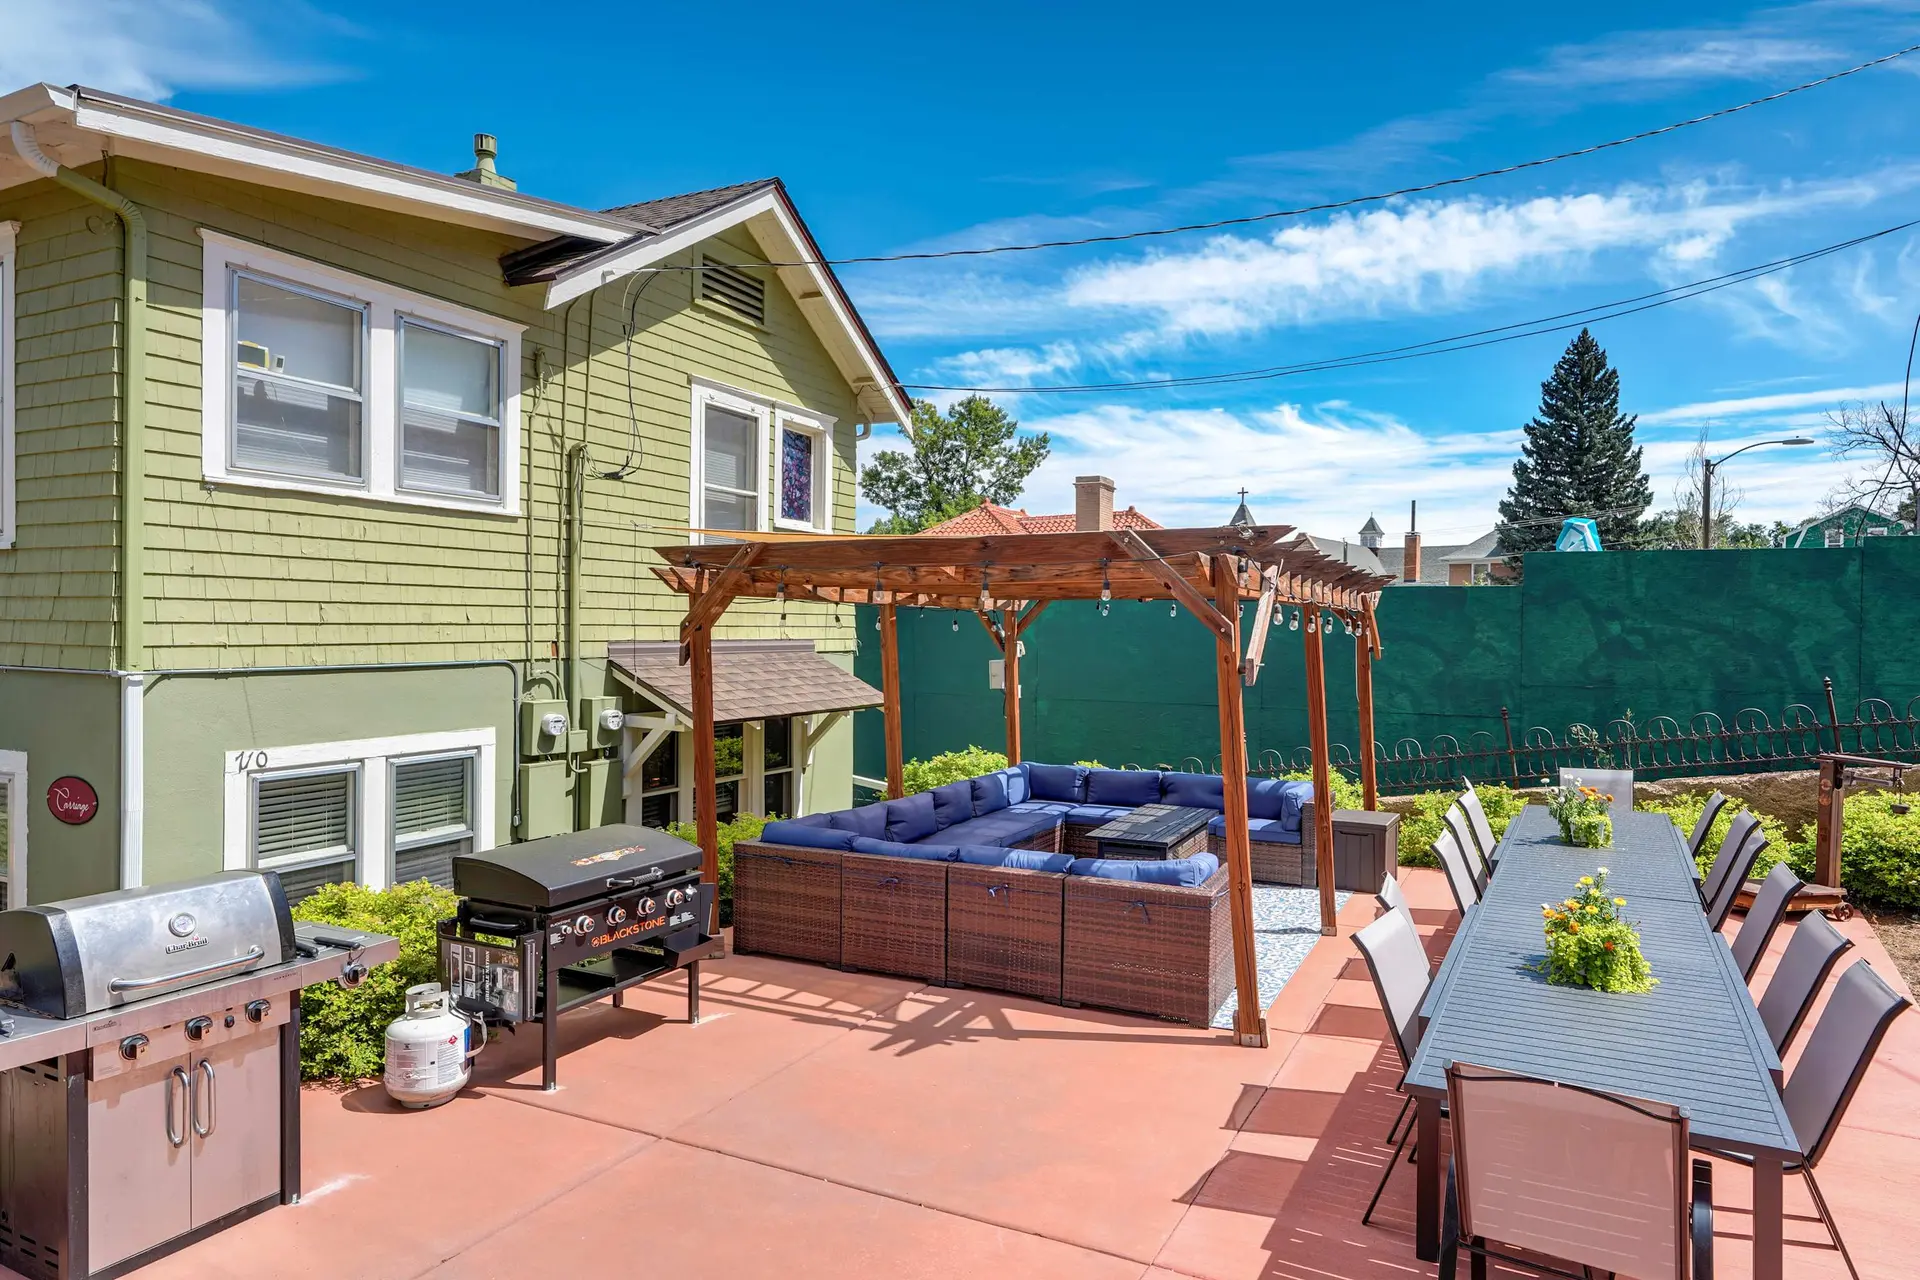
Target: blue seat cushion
(1058, 782)
(1126, 788)
(894, 849)
(1003, 828)
(998, 790)
(1194, 790)
(869, 820)
(1053, 808)
(1094, 815)
(1196, 870)
(1277, 798)
(911, 817)
(807, 835)
(953, 802)
(986, 855)
(1265, 830)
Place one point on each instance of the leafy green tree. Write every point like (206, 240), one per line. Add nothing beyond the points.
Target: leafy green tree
(1579, 459)
(955, 460)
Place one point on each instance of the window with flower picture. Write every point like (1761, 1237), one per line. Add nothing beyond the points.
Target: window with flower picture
(805, 469)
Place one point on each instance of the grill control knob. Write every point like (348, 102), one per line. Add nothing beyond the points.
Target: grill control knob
(197, 1028)
(133, 1047)
(648, 906)
(257, 1010)
(616, 914)
(583, 925)
(675, 897)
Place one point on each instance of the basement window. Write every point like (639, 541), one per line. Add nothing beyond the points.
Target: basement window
(432, 817)
(327, 382)
(303, 828)
(742, 292)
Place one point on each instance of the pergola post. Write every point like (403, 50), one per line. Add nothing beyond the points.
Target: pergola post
(890, 700)
(706, 798)
(1363, 689)
(1249, 1022)
(1010, 678)
(1322, 768)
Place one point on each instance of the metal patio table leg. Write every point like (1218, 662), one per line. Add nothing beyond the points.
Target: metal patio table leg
(1769, 1213)
(1427, 1172)
(693, 994)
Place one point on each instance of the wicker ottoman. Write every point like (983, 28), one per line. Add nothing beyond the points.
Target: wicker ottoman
(893, 915)
(1164, 950)
(786, 902)
(1003, 929)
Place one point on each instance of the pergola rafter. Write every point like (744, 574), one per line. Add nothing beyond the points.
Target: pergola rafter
(1006, 580)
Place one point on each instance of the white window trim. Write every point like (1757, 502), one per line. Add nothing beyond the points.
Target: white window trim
(13, 777)
(437, 835)
(373, 818)
(760, 410)
(380, 394)
(9, 266)
(810, 425)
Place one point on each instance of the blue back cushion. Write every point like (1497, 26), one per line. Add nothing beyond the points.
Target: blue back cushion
(998, 790)
(1127, 788)
(1278, 799)
(986, 855)
(1194, 790)
(807, 835)
(1058, 782)
(1196, 870)
(911, 817)
(869, 820)
(894, 849)
(952, 803)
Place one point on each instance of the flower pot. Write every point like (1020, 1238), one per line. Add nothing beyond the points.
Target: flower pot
(1588, 831)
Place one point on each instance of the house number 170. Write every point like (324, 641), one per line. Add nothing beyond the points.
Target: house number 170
(252, 760)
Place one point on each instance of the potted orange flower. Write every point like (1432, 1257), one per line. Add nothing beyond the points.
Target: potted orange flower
(1584, 816)
(1590, 944)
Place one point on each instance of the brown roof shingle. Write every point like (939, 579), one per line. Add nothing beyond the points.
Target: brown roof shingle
(752, 679)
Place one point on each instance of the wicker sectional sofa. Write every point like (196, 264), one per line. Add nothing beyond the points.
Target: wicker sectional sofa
(989, 882)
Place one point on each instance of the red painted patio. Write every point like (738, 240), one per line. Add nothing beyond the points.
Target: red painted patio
(826, 1124)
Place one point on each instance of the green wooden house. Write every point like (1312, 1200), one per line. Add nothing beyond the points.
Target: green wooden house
(327, 488)
(1847, 527)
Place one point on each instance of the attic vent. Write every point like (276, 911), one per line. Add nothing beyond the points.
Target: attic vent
(738, 291)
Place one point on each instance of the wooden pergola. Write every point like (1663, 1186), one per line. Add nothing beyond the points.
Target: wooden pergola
(1007, 580)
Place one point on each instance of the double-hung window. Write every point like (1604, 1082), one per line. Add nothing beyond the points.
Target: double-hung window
(660, 784)
(303, 826)
(777, 790)
(7, 233)
(320, 380)
(432, 817)
(803, 496)
(729, 486)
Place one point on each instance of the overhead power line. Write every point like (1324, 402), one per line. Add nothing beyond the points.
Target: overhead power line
(981, 251)
(1441, 346)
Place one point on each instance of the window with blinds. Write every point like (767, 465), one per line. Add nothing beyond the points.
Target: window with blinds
(303, 828)
(432, 817)
(740, 292)
(6, 849)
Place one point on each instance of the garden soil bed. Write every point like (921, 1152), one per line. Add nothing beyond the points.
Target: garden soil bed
(1900, 934)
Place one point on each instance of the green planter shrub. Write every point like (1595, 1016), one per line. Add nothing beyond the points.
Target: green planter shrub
(343, 1034)
(1879, 851)
(1420, 828)
(746, 826)
(950, 766)
(1685, 810)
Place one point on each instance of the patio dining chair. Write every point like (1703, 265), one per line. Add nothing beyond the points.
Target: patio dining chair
(1460, 879)
(1617, 783)
(1769, 907)
(1739, 831)
(1391, 895)
(1477, 819)
(1401, 973)
(1843, 1042)
(1477, 864)
(1811, 954)
(1597, 1180)
(1738, 865)
(1715, 803)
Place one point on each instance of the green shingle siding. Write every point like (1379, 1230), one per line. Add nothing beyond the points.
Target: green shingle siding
(247, 577)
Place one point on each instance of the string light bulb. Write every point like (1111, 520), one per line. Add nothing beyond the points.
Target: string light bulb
(956, 622)
(1106, 590)
(1173, 608)
(1294, 623)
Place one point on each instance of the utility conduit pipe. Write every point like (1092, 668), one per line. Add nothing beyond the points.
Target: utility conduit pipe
(133, 393)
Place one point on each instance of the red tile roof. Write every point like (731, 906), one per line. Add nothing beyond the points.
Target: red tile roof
(990, 517)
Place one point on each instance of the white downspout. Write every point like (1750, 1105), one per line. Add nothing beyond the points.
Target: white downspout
(133, 778)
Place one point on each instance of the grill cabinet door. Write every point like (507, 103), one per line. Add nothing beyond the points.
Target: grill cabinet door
(237, 1100)
(140, 1183)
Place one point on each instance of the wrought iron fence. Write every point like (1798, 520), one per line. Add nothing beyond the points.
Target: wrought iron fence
(1659, 747)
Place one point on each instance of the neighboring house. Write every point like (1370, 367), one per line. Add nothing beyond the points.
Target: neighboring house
(327, 500)
(1463, 564)
(1846, 527)
(1093, 509)
(1362, 554)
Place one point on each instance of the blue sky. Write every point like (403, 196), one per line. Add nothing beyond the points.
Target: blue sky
(913, 127)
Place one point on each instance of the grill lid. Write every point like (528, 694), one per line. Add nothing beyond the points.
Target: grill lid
(559, 870)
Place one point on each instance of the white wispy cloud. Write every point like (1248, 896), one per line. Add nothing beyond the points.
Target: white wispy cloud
(1637, 58)
(1707, 411)
(153, 48)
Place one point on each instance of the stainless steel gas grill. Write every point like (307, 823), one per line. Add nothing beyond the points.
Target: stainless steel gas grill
(557, 923)
(150, 1067)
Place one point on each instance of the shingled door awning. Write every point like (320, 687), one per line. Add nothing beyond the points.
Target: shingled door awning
(752, 679)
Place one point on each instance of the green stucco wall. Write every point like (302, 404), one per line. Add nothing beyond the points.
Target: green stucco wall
(67, 724)
(1584, 638)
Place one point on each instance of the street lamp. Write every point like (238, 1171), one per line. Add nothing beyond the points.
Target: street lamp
(1707, 466)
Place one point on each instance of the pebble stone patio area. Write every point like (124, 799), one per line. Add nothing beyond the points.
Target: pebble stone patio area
(827, 1124)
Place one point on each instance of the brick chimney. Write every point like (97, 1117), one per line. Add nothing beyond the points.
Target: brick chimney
(1410, 562)
(1092, 504)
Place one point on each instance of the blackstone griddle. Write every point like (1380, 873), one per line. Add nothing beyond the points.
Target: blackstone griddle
(553, 924)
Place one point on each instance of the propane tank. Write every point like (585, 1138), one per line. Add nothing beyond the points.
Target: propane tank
(427, 1049)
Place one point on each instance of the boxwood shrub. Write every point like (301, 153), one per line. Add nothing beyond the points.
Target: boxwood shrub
(1421, 827)
(1685, 810)
(1879, 851)
(745, 826)
(343, 1034)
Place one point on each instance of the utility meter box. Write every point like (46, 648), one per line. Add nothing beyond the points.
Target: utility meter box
(602, 720)
(543, 727)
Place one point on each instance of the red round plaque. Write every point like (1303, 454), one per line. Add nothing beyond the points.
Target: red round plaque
(72, 800)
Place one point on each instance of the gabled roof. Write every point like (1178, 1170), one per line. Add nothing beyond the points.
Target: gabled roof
(1372, 526)
(752, 679)
(990, 517)
(1484, 547)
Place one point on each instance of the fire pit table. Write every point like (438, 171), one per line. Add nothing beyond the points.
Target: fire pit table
(1154, 833)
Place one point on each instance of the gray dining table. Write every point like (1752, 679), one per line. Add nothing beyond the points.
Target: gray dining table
(1695, 1040)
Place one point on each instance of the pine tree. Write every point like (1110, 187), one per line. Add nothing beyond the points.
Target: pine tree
(1579, 459)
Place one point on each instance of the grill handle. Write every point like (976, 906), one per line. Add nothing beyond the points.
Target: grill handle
(178, 1084)
(253, 954)
(499, 928)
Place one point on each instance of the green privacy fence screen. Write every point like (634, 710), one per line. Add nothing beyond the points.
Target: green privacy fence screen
(1587, 638)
